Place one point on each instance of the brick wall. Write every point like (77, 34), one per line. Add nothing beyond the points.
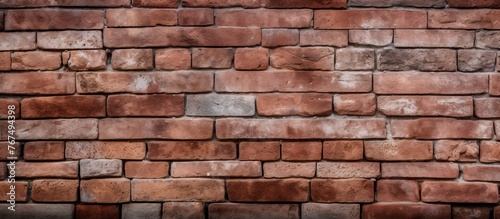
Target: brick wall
(251, 108)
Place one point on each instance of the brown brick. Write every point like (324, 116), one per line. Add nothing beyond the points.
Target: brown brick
(336, 38)
(56, 129)
(6, 147)
(43, 150)
(38, 210)
(132, 59)
(66, 3)
(301, 151)
(3, 170)
(405, 210)
(251, 59)
(417, 59)
(148, 190)
(191, 150)
(5, 103)
(317, 210)
(457, 151)
(145, 105)
(17, 41)
(354, 59)
(343, 150)
(481, 173)
(354, 104)
(5, 61)
(141, 210)
(397, 191)
(140, 17)
(250, 211)
(494, 85)
(369, 19)
(54, 190)
(486, 39)
(105, 190)
(36, 60)
(264, 18)
(420, 170)
(459, 192)
(434, 128)
(145, 170)
(223, 3)
(400, 3)
(69, 40)
(85, 60)
(66, 169)
(317, 58)
(279, 37)
(398, 150)
(489, 152)
(474, 4)
(20, 191)
(304, 104)
(289, 170)
(466, 19)
(63, 107)
(172, 59)
(212, 58)
(348, 170)
(182, 210)
(105, 150)
(343, 190)
(53, 19)
(476, 60)
(196, 17)
(306, 4)
(100, 168)
(454, 106)
(216, 169)
(434, 38)
(268, 190)
(264, 151)
(156, 3)
(465, 212)
(97, 212)
(370, 37)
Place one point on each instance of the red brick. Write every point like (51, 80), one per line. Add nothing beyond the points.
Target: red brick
(136, 82)
(488, 39)
(370, 37)
(279, 37)
(417, 59)
(289, 170)
(97, 212)
(140, 17)
(216, 169)
(317, 58)
(336, 38)
(354, 59)
(434, 38)
(85, 60)
(494, 85)
(17, 41)
(397, 191)
(489, 152)
(265, 151)
(476, 60)
(105, 190)
(156, 3)
(66, 3)
(180, 210)
(21, 190)
(223, 3)
(43, 150)
(69, 40)
(465, 212)
(306, 4)
(212, 58)
(301, 151)
(176, 36)
(317, 210)
(191, 150)
(5, 150)
(132, 59)
(354, 104)
(63, 107)
(3, 170)
(454, 106)
(343, 190)
(369, 19)
(420, 170)
(5, 61)
(53, 19)
(466, 19)
(435, 128)
(348, 170)
(156, 190)
(249, 211)
(481, 173)
(398, 150)
(429, 83)
(307, 104)
(145, 105)
(400, 3)
(474, 4)
(145, 170)
(5, 103)
(66, 169)
(458, 151)
(343, 150)
(105, 150)
(268, 190)
(36, 60)
(294, 81)
(196, 17)
(251, 59)
(406, 210)
(56, 129)
(155, 128)
(496, 212)
(172, 59)
(459, 192)
(54, 190)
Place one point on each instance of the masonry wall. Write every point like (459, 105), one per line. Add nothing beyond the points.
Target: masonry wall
(250, 108)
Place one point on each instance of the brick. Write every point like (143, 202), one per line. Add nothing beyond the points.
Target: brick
(156, 190)
(301, 151)
(196, 17)
(348, 170)
(342, 190)
(36, 60)
(156, 128)
(5, 61)
(264, 18)
(370, 37)
(336, 38)
(53, 19)
(354, 104)
(152, 82)
(300, 128)
(318, 210)
(251, 59)
(470, 19)
(317, 58)
(140, 17)
(220, 105)
(105, 190)
(132, 59)
(145, 105)
(176, 36)
(264, 151)
(223, 3)
(457, 151)
(279, 37)
(43, 150)
(459, 192)
(145, 170)
(156, 3)
(216, 169)
(293, 81)
(141, 210)
(66, 3)
(303, 104)
(3, 170)
(476, 60)
(343, 150)
(56, 190)
(398, 150)
(487, 107)
(268, 190)
(369, 19)
(420, 170)
(66, 169)
(212, 58)
(85, 60)
(464, 212)
(429, 83)
(434, 128)
(69, 39)
(474, 4)
(289, 170)
(397, 191)
(63, 107)
(5, 150)
(406, 210)
(191, 150)
(20, 191)
(486, 39)
(417, 59)
(181, 210)
(453, 106)
(494, 85)
(97, 211)
(37, 210)
(172, 59)
(434, 38)
(496, 212)
(481, 173)
(56, 129)
(249, 211)
(105, 150)
(4, 103)
(489, 152)
(354, 59)
(96, 168)
(400, 3)
(17, 41)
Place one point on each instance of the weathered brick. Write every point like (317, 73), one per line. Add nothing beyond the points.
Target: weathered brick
(36, 60)
(343, 150)
(394, 150)
(69, 40)
(494, 85)
(53, 19)
(259, 150)
(20, 191)
(220, 105)
(97, 211)
(105, 150)
(348, 170)
(300, 128)
(3, 170)
(144, 169)
(43, 150)
(397, 191)
(279, 37)
(249, 211)
(306, 4)
(5, 103)
(454, 106)
(343, 190)
(488, 39)
(6, 153)
(434, 38)
(216, 169)
(474, 4)
(459, 192)
(476, 60)
(369, 19)
(65, 3)
(5, 61)
(301, 151)
(400, 3)
(105, 190)
(268, 190)
(481, 173)
(354, 59)
(155, 190)
(417, 59)
(289, 170)
(487, 107)
(172, 59)
(463, 19)
(317, 58)
(54, 129)
(196, 17)
(17, 41)
(435, 128)
(181, 210)
(264, 18)
(317, 210)
(406, 210)
(420, 170)
(212, 58)
(223, 3)
(56, 190)
(337, 38)
(140, 17)
(458, 151)
(145, 105)
(304, 104)
(354, 104)
(66, 169)
(96, 168)
(132, 59)
(85, 60)
(489, 151)
(156, 3)
(251, 59)
(191, 150)
(141, 210)
(63, 107)
(465, 212)
(31, 210)
(370, 37)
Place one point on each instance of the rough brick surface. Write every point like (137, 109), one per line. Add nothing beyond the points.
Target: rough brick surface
(105, 150)
(36, 60)
(191, 150)
(265, 151)
(44, 150)
(260, 190)
(132, 59)
(264, 18)
(154, 190)
(343, 190)
(69, 40)
(397, 191)
(145, 105)
(54, 190)
(280, 37)
(96, 168)
(63, 107)
(140, 17)
(294, 104)
(354, 104)
(220, 105)
(97, 211)
(216, 169)
(368, 19)
(196, 17)
(461, 151)
(297, 151)
(348, 170)
(336, 38)
(317, 210)
(105, 190)
(343, 150)
(303, 58)
(420, 170)
(407, 210)
(417, 59)
(85, 60)
(248, 211)
(180, 210)
(398, 150)
(370, 37)
(464, 192)
(434, 38)
(449, 128)
(138, 169)
(489, 151)
(453, 106)
(172, 59)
